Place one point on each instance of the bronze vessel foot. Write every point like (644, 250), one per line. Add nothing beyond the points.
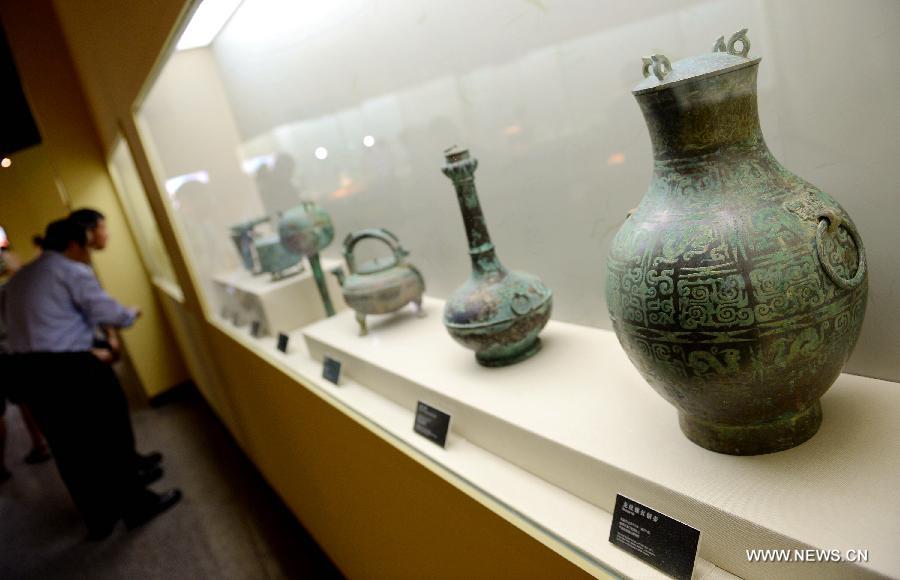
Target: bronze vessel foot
(503, 357)
(788, 430)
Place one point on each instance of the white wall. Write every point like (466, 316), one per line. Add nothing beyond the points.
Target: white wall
(540, 92)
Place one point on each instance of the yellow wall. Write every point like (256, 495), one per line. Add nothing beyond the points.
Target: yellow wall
(76, 162)
(370, 506)
(116, 40)
(190, 332)
(29, 199)
(376, 512)
(115, 46)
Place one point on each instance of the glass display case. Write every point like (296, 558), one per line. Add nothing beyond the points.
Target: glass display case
(349, 117)
(140, 216)
(293, 101)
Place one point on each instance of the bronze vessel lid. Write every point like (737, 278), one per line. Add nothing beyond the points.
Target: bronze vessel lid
(661, 74)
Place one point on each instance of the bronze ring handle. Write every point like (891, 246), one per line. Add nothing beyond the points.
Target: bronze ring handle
(730, 46)
(381, 234)
(658, 64)
(830, 221)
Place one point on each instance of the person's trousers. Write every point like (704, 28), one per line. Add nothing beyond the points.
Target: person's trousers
(80, 406)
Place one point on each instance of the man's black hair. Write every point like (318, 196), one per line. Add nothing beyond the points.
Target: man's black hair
(87, 217)
(63, 232)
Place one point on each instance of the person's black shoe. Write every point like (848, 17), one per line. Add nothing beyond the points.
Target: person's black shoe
(147, 476)
(37, 455)
(149, 461)
(150, 507)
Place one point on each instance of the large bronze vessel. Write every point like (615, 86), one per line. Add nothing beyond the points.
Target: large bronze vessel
(497, 313)
(380, 285)
(737, 288)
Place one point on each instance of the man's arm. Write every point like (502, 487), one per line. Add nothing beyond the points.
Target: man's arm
(98, 307)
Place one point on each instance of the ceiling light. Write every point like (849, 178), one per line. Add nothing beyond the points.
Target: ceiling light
(5, 162)
(206, 23)
(321, 153)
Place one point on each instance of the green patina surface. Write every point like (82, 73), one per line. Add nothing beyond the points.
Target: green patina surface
(242, 235)
(497, 313)
(306, 230)
(716, 285)
(381, 285)
(261, 254)
(275, 259)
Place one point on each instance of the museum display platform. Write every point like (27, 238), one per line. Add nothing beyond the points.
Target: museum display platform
(246, 297)
(549, 442)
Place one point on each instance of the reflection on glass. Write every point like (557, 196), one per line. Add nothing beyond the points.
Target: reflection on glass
(276, 184)
(250, 166)
(346, 188)
(512, 130)
(174, 184)
(544, 95)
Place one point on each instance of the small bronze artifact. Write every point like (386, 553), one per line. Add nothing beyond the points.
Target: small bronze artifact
(243, 235)
(496, 313)
(737, 288)
(264, 253)
(275, 259)
(381, 285)
(306, 230)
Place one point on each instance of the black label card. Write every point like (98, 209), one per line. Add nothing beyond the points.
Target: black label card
(662, 542)
(282, 342)
(432, 424)
(331, 370)
(254, 328)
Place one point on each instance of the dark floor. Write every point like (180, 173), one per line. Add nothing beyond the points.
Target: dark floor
(230, 524)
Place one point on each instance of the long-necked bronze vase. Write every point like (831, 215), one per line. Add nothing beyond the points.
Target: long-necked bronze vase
(497, 313)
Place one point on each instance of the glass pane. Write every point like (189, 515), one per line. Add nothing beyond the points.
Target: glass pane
(140, 216)
(351, 103)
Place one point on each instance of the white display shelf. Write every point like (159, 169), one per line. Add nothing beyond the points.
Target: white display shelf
(279, 305)
(567, 524)
(577, 418)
